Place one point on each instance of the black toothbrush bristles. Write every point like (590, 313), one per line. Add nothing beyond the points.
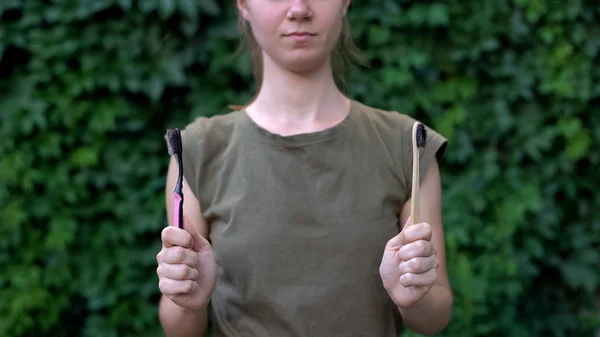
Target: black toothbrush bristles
(421, 135)
(175, 147)
(173, 139)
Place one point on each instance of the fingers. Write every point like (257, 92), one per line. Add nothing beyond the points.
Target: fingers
(177, 272)
(394, 243)
(410, 233)
(419, 248)
(173, 236)
(177, 255)
(172, 287)
(419, 280)
(419, 231)
(178, 260)
(181, 245)
(418, 265)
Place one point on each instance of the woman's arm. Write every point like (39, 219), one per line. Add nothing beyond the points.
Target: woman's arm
(175, 320)
(432, 313)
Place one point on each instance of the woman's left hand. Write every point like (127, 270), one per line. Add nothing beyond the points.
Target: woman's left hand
(409, 265)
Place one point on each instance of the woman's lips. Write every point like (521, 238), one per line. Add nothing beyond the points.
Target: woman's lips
(300, 36)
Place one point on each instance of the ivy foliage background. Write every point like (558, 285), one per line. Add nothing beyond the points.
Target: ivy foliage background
(88, 87)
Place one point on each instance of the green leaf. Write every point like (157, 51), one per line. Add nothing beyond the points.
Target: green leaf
(62, 233)
(189, 8)
(84, 157)
(438, 15)
(156, 86)
(579, 276)
(578, 138)
(126, 4)
(148, 6)
(166, 8)
(210, 7)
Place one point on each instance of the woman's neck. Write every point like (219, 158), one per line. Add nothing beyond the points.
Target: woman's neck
(298, 101)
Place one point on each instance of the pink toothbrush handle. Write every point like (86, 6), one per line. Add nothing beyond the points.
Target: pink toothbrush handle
(177, 200)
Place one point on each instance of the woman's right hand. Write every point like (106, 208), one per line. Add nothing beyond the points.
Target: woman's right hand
(187, 270)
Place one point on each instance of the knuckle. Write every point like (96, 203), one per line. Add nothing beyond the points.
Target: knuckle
(193, 273)
(414, 264)
(162, 285)
(420, 245)
(181, 272)
(188, 286)
(194, 259)
(178, 254)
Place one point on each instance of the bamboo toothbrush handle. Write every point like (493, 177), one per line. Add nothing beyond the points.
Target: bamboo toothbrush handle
(414, 209)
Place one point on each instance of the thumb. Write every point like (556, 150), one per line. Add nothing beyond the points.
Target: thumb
(397, 241)
(199, 241)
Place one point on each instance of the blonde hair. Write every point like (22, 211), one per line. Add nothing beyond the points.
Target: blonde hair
(345, 54)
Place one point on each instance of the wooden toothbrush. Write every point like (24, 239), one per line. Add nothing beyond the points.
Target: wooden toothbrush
(419, 140)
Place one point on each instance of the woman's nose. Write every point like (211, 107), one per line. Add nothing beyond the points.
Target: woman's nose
(299, 10)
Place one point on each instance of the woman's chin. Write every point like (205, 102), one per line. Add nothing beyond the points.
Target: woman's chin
(304, 65)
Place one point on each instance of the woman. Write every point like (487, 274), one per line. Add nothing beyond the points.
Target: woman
(296, 217)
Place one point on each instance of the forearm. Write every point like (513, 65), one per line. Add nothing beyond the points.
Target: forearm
(179, 322)
(430, 315)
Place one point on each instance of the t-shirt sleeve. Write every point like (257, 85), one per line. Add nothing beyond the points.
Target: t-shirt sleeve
(203, 142)
(435, 148)
(193, 143)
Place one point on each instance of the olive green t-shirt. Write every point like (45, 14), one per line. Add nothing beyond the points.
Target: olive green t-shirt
(298, 224)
